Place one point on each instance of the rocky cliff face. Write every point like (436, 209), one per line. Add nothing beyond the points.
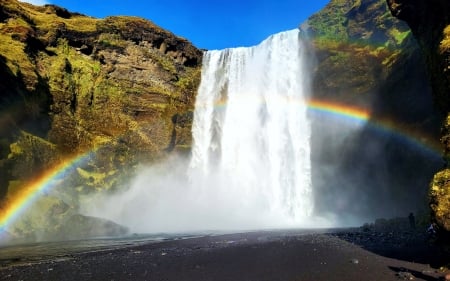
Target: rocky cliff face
(430, 23)
(124, 89)
(70, 84)
(369, 59)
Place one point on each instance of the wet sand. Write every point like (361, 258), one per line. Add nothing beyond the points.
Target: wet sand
(267, 255)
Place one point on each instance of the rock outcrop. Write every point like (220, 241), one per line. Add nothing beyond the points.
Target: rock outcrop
(120, 91)
(121, 87)
(430, 23)
(368, 59)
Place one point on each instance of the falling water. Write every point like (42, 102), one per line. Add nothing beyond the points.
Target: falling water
(250, 165)
(251, 128)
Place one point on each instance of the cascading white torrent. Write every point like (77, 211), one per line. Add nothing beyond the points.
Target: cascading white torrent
(251, 131)
(250, 165)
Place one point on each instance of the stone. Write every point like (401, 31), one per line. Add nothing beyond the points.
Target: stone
(404, 275)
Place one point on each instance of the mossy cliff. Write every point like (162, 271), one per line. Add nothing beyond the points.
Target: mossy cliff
(360, 47)
(369, 59)
(430, 23)
(120, 86)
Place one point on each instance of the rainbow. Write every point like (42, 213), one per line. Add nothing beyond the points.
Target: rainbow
(26, 196)
(362, 116)
(339, 109)
(384, 126)
(20, 202)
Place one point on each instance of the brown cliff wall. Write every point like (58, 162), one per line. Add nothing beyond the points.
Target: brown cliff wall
(69, 84)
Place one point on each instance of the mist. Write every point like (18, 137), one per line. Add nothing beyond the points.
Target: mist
(266, 161)
(250, 166)
(362, 173)
(170, 198)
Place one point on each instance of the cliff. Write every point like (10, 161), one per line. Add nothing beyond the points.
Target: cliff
(123, 89)
(72, 84)
(430, 23)
(369, 60)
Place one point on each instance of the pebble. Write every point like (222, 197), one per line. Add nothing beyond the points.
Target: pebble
(354, 261)
(405, 275)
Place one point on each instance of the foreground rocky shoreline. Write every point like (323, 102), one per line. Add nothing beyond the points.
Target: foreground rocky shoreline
(346, 254)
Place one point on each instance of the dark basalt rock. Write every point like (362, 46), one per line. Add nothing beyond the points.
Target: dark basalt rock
(368, 59)
(429, 21)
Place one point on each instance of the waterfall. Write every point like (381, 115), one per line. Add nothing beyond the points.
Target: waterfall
(250, 166)
(251, 132)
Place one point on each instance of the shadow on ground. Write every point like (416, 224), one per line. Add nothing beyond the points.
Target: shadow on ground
(407, 245)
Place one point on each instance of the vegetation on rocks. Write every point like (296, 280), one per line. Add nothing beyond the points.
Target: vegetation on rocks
(368, 59)
(121, 87)
(358, 44)
(120, 91)
(430, 23)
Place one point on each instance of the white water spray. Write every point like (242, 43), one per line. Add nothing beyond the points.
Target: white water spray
(250, 125)
(250, 165)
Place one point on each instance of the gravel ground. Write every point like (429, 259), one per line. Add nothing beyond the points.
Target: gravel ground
(345, 255)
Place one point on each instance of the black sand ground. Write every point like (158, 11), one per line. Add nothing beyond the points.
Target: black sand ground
(277, 255)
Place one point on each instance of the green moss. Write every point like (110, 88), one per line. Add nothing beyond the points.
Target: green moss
(392, 58)
(111, 40)
(339, 57)
(13, 187)
(398, 35)
(17, 60)
(45, 19)
(127, 23)
(330, 22)
(97, 99)
(73, 71)
(190, 80)
(356, 4)
(164, 61)
(94, 179)
(445, 43)
(440, 198)
(15, 149)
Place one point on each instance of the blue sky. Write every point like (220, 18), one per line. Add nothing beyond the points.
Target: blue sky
(213, 24)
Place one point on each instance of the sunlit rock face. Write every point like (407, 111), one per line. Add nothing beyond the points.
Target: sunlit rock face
(120, 87)
(124, 89)
(430, 24)
(429, 21)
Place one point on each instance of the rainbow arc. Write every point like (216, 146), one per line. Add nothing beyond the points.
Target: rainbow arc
(49, 179)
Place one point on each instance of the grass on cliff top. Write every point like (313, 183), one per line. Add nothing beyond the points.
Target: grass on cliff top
(130, 23)
(357, 22)
(45, 18)
(329, 22)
